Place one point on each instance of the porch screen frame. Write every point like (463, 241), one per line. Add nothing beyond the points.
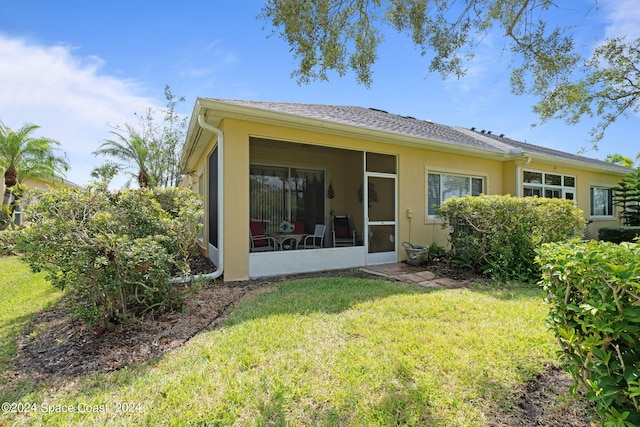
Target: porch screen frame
(213, 199)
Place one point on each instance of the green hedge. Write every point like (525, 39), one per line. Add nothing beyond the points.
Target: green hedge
(498, 234)
(618, 234)
(594, 299)
(116, 251)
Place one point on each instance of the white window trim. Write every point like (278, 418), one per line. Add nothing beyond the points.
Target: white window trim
(454, 172)
(613, 205)
(563, 188)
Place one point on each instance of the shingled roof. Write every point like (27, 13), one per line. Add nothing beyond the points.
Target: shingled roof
(549, 152)
(382, 121)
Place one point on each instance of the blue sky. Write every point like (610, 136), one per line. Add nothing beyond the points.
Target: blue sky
(74, 67)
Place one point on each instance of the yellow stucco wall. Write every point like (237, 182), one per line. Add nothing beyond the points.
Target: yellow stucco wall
(344, 169)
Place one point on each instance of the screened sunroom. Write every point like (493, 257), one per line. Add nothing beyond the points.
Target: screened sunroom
(299, 190)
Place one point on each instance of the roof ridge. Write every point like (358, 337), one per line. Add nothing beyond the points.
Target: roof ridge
(421, 131)
(503, 146)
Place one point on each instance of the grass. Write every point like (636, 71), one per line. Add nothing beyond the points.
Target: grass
(23, 294)
(326, 352)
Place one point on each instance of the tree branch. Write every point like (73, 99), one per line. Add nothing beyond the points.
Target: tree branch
(509, 32)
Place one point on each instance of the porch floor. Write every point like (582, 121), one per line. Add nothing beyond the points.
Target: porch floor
(417, 275)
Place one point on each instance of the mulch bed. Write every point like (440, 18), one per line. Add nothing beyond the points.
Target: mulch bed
(57, 344)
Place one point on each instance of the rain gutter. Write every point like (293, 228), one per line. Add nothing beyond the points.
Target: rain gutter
(212, 276)
(519, 166)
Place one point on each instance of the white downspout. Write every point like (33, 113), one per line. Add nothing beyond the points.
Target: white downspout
(519, 166)
(212, 276)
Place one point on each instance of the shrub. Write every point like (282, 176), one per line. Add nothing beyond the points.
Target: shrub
(627, 196)
(8, 240)
(436, 251)
(117, 251)
(498, 234)
(594, 300)
(618, 234)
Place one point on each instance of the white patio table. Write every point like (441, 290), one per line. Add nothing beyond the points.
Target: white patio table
(287, 240)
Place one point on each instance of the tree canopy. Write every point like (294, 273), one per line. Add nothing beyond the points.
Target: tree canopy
(545, 61)
(149, 151)
(24, 156)
(132, 150)
(619, 159)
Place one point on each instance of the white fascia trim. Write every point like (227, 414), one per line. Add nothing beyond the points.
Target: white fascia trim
(576, 164)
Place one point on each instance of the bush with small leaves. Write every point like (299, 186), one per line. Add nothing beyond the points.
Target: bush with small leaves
(594, 299)
(498, 234)
(8, 240)
(117, 251)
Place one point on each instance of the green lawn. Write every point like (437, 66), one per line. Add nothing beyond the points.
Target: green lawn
(326, 352)
(22, 293)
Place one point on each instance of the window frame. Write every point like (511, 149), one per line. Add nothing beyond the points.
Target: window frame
(610, 205)
(470, 177)
(543, 187)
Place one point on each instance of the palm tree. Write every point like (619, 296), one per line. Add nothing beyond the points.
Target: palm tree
(23, 156)
(132, 150)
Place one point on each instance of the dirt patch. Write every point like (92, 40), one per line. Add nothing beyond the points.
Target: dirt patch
(545, 402)
(443, 268)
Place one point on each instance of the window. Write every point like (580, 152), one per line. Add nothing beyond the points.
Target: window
(601, 201)
(382, 163)
(441, 187)
(278, 193)
(549, 185)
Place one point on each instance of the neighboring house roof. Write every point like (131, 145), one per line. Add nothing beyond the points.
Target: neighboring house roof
(29, 182)
(391, 128)
(532, 149)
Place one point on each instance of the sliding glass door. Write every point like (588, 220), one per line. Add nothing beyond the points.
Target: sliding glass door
(280, 193)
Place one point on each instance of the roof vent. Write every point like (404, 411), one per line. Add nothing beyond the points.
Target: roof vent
(488, 132)
(482, 131)
(502, 135)
(473, 129)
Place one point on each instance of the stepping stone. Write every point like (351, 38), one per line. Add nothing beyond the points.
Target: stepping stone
(445, 282)
(426, 275)
(409, 277)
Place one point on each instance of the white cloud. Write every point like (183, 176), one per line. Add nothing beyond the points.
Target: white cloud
(67, 96)
(622, 17)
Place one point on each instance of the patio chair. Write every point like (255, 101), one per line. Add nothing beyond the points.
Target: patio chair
(298, 227)
(259, 241)
(315, 240)
(342, 233)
